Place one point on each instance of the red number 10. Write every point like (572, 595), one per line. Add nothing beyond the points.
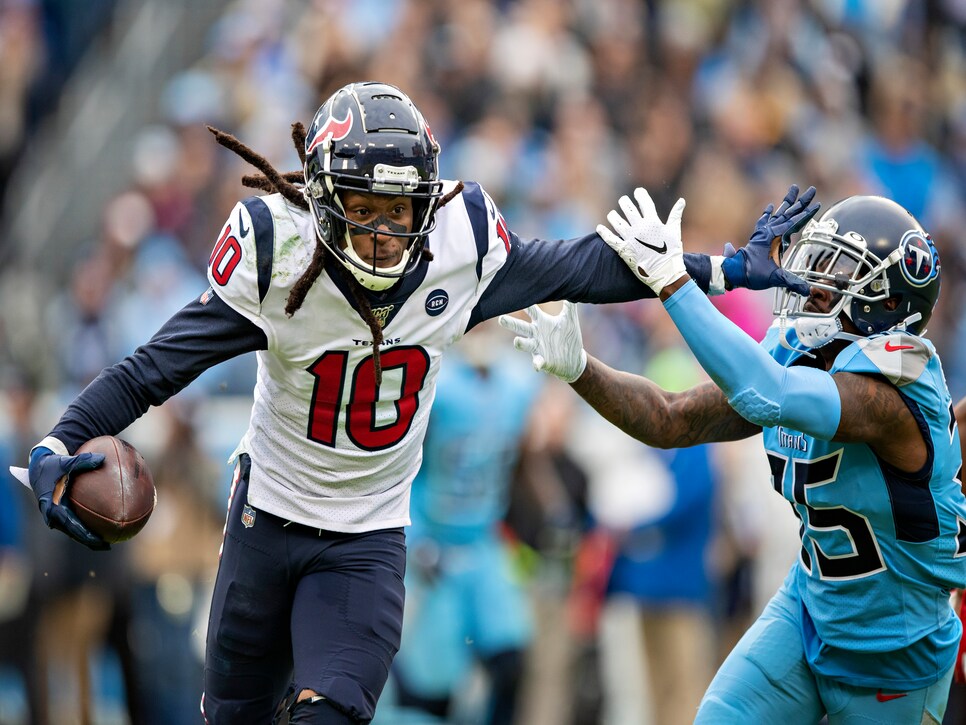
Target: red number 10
(224, 257)
(330, 377)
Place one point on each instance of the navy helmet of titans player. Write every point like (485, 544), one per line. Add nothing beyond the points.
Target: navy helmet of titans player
(875, 255)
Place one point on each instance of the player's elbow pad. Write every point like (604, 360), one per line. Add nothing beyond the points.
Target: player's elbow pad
(800, 398)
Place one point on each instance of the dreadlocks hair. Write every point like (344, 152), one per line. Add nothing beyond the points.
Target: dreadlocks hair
(285, 184)
(279, 182)
(298, 138)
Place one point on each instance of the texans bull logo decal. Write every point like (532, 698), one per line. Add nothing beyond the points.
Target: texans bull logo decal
(333, 129)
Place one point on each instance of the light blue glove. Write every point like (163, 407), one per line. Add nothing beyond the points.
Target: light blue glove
(753, 266)
(46, 469)
(554, 341)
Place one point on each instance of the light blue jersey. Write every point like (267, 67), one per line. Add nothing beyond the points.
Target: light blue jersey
(880, 548)
(464, 601)
(471, 446)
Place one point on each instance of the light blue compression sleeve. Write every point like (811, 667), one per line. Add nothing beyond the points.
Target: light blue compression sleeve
(759, 388)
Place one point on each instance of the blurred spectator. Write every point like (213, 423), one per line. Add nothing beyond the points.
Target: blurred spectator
(64, 622)
(458, 60)
(87, 340)
(897, 160)
(658, 508)
(537, 60)
(19, 603)
(173, 566)
(582, 161)
(663, 145)
(160, 283)
(465, 604)
(21, 49)
(548, 514)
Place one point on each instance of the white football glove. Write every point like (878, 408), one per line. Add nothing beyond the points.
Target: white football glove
(651, 248)
(554, 341)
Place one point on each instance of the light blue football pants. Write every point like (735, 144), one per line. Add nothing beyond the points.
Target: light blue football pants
(766, 679)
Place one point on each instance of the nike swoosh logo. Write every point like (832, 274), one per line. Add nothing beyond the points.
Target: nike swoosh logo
(241, 225)
(881, 697)
(893, 348)
(660, 250)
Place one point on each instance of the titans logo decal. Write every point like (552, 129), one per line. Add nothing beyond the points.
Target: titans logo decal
(920, 262)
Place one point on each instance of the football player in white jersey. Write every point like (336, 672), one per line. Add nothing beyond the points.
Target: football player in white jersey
(349, 286)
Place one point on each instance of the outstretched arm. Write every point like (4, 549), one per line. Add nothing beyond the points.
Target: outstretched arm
(584, 270)
(633, 403)
(657, 417)
(760, 388)
(201, 335)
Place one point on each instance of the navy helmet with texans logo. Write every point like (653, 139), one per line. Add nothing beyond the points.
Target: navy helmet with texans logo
(873, 253)
(370, 137)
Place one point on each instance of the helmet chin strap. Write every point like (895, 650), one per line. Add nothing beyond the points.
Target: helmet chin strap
(911, 319)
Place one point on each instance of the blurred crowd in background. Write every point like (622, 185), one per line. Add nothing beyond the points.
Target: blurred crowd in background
(641, 566)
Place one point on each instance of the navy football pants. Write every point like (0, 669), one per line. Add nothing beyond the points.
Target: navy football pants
(297, 606)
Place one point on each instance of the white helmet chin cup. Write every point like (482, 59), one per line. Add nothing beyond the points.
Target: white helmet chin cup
(374, 282)
(814, 332)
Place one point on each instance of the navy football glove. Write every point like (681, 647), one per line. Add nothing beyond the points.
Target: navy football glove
(755, 265)
(46, 469)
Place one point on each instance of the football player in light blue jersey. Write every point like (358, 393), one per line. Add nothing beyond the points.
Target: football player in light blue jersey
(861, 438)
(465, 603)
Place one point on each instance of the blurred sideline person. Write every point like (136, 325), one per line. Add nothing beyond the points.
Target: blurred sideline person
(20, 604)
(350, 286)
(643, 587)
(662, 565)
(464, 601)
(547, 516)
(173, 563)
(71, 633)
(862, 442)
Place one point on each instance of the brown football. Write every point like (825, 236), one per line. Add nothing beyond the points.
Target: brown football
(116, 499)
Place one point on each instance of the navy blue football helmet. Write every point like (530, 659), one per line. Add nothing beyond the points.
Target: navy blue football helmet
(877, 257)
(370, 138)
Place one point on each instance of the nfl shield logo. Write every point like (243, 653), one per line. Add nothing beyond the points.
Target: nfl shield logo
(248, 516)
